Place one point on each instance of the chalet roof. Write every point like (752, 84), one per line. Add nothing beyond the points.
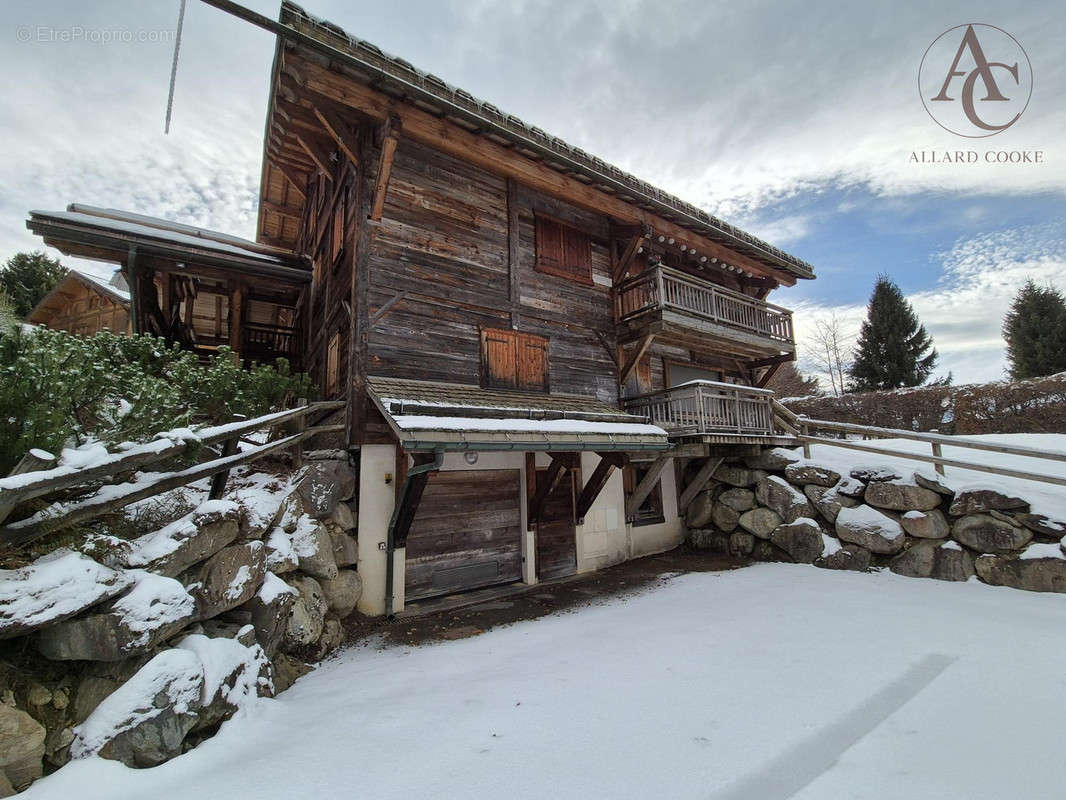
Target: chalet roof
(400, 78)
(113, 229)
(45, 305)
(121, 296)
(427, 415)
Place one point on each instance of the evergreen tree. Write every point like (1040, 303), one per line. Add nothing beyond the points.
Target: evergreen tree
(27, 277)
(790, 382)
(893, 348)
(1035, 330)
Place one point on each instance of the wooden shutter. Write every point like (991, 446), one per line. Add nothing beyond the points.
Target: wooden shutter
(512, 360)
(532, 362)
(563, 251)
(338, 229)
(333, 362)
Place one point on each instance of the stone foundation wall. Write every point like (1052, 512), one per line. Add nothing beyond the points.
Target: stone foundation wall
(778, 506)
(138, 649)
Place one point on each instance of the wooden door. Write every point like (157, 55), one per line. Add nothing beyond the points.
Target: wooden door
(466, 534)
(556, 535)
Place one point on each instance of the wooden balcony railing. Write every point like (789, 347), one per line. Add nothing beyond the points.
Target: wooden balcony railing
(708, 407)
(662, 288)
(267, 342)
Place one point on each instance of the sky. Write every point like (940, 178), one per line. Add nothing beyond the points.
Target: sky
(796, 121)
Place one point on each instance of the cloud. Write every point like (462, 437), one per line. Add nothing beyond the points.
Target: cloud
(964, 311)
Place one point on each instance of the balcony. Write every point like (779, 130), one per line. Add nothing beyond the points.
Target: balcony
(702, 315)
(712, 411)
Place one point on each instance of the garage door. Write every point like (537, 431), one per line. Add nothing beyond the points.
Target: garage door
(467, 533)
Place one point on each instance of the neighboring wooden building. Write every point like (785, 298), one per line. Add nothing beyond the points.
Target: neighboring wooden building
(84, 304)
(543, 357)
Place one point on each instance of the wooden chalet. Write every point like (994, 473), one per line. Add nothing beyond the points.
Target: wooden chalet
(543, 358)
(84, 304)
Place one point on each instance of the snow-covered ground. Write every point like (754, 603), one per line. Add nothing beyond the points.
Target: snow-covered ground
(768, 682)
(1045, 498)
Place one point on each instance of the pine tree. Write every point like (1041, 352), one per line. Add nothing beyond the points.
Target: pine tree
(893, 348)
(27, 277)
(1035, 331)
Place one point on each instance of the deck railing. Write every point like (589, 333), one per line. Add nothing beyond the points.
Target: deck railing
(264, 342)
(708, 407)
(661, 288)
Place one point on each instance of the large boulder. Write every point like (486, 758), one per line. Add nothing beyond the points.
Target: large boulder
(930, 524)
(287, 670)
(1042, 525)
(847, 557)
(323, 485)
(850, 487)
(156, 608)
(804, 474)
(736, 475)
(738, 499)
(345, 548)
(933, 482)
(342, 592)
(724, 518)
(269, 612)
(828, 502)
(873, 473)
(784, 498)
(1040, 568)
(144, 721)
(900, 495)
(803, 540)
(308, 614)
(228, 579)
(21, 747)
(235, 676)
(280, 554)
(741, 543)
(986, 534)
(698, 513)
(54, 588)
(760, 521)
(978, 500)
(929, 559)
(773, 460)
(709, 539)
(314, 549)
(332, 637)
(866, 526)
(186, 541)
(343, 517)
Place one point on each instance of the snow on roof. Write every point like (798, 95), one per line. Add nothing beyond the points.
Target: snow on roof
(124, 222)
(122, 295)
(514, 425)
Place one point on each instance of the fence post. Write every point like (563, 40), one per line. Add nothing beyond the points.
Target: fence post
(805, 431)
(937, 451)
(218, 482)
(299, 427)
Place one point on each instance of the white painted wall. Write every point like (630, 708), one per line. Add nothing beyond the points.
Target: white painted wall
(648, 539)
(603, 539)
(376, 502)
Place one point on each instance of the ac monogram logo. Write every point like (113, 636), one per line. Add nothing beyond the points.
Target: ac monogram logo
(968, 92)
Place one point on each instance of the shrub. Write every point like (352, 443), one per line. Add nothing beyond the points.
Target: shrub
(58, 389)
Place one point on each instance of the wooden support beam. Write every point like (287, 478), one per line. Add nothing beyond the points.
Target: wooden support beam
(556, 471)
(626, 259)
(343, 133)
(385, 307)
(697, 484)
(236, 318)
(768, 375)
(591, 490)
(359, 299)
(132, 276)
(319, 148)
(284, 211)
(513, 253)
(647, 483)
(410, 501)
(772, 360)
(297, 179)
(389, 138)
(638, 354)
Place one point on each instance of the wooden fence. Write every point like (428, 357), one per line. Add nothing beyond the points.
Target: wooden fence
(803, 429)
(43, 479)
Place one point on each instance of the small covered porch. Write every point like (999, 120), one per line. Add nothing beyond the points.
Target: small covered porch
(200, 288)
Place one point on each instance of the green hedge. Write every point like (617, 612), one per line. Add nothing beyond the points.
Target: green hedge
(57, 389)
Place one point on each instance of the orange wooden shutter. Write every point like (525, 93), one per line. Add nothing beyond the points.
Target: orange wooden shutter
(532, 362)
(499, 367)
(549, 245)
(563, 251)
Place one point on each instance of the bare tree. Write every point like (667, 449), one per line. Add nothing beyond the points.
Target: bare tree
(830, 353)
(788, 381)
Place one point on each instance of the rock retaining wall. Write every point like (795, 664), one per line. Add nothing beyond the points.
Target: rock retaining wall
(778, 506)
(138, 649)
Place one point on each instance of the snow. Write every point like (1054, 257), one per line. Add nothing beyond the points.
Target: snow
(1039, 550)
(764, 683)
(153, 603)
(273, 587)
(796, 495)
(419, 422)
(870, 520)
(950, 545)
(1044, 498)
(830, 545)
(228, 667)
(914, 515)
(55, 587)
(176, 674)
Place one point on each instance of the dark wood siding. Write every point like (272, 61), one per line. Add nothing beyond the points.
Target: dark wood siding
(556, 537)
(466, 533)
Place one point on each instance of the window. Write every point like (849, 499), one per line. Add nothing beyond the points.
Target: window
(333, 364)
(651, 510)
(563, 251)
(678, 373)
(513, 360)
